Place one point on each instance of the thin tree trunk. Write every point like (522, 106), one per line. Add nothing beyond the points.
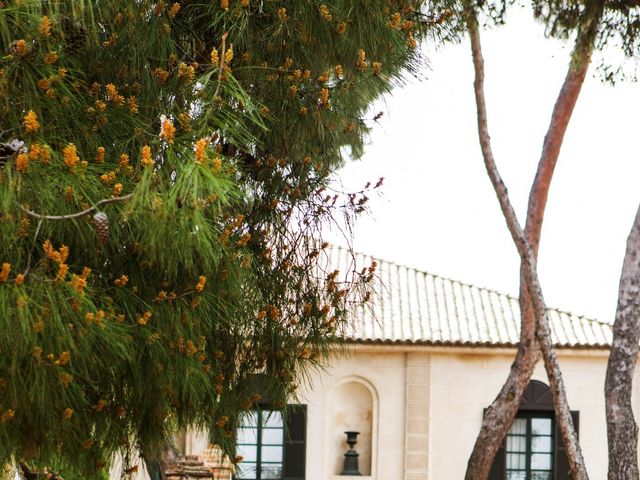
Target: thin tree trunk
(622, 431)
(500, 414)
(560, 403)
(158, 464)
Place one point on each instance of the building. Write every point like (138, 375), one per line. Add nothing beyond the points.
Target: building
(420, 368)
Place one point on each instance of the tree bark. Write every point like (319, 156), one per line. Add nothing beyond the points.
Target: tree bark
(499, 415)
(622, 431)
(158, 464)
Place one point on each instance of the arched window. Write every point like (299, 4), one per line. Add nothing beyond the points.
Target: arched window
(533, 449)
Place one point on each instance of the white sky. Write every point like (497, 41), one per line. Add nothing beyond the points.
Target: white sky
(438, 211)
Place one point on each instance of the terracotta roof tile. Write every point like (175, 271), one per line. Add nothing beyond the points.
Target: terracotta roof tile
(412, 306)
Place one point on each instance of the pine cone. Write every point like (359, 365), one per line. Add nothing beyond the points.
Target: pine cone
(101, 224)
(13, 48)
(75, 36)
(9, 149)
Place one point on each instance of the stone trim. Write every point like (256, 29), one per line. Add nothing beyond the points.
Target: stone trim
(417, 416)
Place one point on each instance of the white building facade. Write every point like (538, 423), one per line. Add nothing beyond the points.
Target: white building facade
(420, 408)
(422, 364)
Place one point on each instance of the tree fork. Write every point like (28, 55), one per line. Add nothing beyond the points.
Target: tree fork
(500, 414)
(622, 430)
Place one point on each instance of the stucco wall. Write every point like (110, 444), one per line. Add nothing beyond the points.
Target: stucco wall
(430, 403)
(425, 408)
(463, 385)
(384, 373)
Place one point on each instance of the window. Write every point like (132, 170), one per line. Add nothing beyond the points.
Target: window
(272, 444)
(529, 448)
(260, 439)
(533, 448)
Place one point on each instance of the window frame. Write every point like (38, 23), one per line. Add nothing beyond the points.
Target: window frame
(260, 427)
(529, 415)
(294, 418)
(537, 398)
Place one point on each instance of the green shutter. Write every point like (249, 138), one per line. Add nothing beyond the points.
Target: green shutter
(561, 462)
(294, 442)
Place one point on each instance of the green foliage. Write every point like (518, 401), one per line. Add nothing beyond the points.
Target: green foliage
(611, 28)
(212, 129)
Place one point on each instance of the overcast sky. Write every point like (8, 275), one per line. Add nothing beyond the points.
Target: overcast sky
(438, 211)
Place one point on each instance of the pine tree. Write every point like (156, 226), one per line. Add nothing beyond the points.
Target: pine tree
(608, 29)
(165, 174)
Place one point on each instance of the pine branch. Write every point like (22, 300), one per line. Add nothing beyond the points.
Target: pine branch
(164, 248)
(221, 66)
(75, 216)
(33, 246)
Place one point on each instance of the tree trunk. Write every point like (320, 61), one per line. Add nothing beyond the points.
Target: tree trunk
(622, 431)
(560, 403)
(499, 415)
(158, 464)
